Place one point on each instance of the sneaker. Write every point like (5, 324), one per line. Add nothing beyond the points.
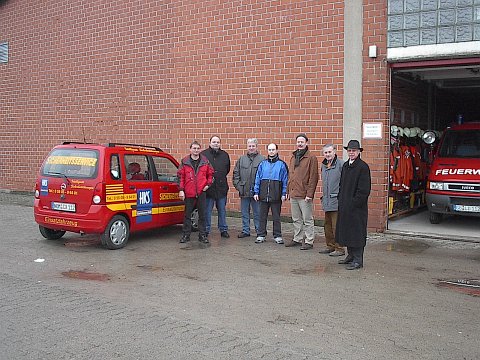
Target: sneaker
(243, 235)
(278, 240)
(337, 253)
(184, 239)
(203, 239)
(260, 239)
(225, 234)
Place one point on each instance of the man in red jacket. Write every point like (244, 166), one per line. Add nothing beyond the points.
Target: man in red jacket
(196, 176)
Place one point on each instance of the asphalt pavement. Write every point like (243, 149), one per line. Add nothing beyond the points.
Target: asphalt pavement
(416, 298)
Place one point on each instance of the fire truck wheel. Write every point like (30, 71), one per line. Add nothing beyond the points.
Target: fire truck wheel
(116, 233)
(51, 234)
(435, 218)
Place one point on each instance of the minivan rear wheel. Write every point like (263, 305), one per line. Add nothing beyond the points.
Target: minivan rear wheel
(51, 234)
(435, 218)
(116, 233)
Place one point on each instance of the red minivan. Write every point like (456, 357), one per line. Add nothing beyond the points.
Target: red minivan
(111, 189)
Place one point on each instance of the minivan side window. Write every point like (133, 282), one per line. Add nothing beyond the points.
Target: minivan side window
(137, 168)
(166, 169)
(115, 172)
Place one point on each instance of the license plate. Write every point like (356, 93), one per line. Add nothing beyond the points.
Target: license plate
(63, 206)
(466, 208)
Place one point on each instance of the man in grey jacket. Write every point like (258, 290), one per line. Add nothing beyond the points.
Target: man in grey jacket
(244, 180)
(331, 170)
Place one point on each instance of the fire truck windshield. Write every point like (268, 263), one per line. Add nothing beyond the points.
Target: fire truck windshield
(463, 144)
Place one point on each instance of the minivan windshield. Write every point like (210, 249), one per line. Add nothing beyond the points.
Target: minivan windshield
(461, 144)
(72, 164)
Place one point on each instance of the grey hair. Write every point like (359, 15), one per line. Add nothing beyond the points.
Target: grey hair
(330, 145)
(252, 140)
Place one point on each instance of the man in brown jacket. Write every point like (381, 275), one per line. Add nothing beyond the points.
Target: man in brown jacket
(302, 182)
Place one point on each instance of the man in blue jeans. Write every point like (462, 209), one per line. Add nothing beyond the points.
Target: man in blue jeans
(217, 193)
(244, 180)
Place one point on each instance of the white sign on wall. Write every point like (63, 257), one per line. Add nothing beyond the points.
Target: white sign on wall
(372, 130)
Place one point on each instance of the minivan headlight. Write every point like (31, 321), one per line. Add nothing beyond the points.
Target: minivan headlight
(96, 199)
(37, 193)
(436, 185)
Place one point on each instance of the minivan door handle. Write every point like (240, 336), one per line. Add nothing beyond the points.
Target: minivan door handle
(164, 187)
(132, 187)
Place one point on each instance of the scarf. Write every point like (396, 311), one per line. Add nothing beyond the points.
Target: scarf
(252, 156)
(299, 154)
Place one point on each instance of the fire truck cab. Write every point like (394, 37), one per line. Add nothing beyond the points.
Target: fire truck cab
(453, 185)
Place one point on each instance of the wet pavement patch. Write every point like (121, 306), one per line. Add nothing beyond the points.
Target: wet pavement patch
(408, 246)
(150, 267)
(465, 286)
(191, 277)
(316, 270)
(85, 275)
(83, 242)
(191, 245)
(284, 319)
(261, 261)
(420, 268)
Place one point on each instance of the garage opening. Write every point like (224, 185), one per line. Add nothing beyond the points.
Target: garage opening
(426, 98)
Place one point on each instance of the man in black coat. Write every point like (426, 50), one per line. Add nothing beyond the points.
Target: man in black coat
(217, 193)
(355, 186)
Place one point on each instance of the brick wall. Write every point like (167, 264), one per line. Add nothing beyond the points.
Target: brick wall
(375, 108)
(166, 72)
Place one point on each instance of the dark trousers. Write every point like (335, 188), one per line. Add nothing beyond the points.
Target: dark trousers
(277, 225)
(356, 253)
(190, 204)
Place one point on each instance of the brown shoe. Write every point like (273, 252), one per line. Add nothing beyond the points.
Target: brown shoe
(306, 246)
(292, 243)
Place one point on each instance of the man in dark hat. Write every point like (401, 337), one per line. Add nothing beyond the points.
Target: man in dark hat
(355, 186)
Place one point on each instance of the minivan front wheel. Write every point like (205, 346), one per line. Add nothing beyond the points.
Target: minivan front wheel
(116, 233)
(51, 234)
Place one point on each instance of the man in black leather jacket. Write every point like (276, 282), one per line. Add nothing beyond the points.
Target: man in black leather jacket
(217, 193)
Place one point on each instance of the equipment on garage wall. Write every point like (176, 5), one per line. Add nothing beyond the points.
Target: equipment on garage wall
(409, 160)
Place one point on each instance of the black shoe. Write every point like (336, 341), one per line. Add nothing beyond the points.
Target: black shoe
(203, 239)
(242, 235)
(225, 234)
(347, 260)
(326, 251)
(354, 266)
(184, 239)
